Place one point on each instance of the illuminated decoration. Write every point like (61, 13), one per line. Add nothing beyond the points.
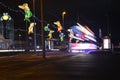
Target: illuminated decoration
(5, 17)
(81, 33)
(18, 11)
(81, 47)
(46, 28)
(89, 29)
(27, 11)
(61, 35)
(72, 36)
(6, 31)
(59, 26)
(90, 38)
(50, 34)
(84, 30)
(84, 39)
(28, 15)
(78, 33)
(30, 29)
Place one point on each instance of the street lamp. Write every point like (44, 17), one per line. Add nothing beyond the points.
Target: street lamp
(63, 14)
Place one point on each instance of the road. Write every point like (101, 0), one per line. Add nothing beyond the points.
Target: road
(60, 67)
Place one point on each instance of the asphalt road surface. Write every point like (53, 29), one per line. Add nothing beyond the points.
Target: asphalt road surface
(65, 66)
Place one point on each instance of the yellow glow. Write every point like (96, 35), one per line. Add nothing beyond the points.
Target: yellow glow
(5, 17)
(64, 13)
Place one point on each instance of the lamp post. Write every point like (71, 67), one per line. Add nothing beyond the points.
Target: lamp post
(34, 26)
(42, 29)
(63, 16)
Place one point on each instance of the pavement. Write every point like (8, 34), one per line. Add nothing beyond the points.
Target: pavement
(60, 66)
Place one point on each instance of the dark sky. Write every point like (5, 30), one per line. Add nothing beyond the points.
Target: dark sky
(95, 14)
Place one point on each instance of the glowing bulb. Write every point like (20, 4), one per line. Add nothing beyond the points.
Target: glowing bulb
(64, 13)
(5, 17)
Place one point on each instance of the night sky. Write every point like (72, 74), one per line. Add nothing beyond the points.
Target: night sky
(95, 14)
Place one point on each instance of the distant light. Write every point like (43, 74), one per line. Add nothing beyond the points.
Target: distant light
(38, 47)
(106, 43)
(64, 13)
